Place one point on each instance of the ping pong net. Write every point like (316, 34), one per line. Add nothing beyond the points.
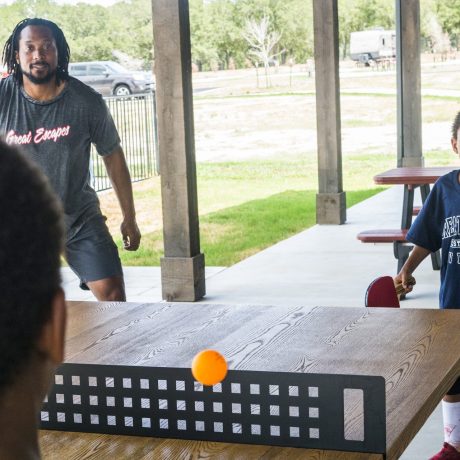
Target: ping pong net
(322, 411)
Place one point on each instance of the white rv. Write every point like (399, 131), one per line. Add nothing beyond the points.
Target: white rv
(372, 45)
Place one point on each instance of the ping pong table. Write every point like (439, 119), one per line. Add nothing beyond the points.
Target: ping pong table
(416, 351)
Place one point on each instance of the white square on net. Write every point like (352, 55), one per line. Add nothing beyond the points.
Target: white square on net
(199, 425)
(293, 390)
(199, 406)
(146, 422)
(274, 390)
(236, 408)
(217, 406)
(237, 428)
(182, 425)
(255, 409)
(164, 423)
(218, 427)
(254, 389)
(313, 392)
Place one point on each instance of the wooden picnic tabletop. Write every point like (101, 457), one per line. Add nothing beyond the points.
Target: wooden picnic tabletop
(412, 175)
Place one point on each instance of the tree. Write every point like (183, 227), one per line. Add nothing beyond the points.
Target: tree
(448, 14)
(261, 42)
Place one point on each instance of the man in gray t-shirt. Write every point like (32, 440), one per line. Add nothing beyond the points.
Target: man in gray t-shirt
(55, 118)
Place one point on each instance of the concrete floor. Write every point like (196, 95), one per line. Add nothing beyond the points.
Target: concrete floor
(325, 265)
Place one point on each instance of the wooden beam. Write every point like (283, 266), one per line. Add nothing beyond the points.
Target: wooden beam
(409, 98)
(182, 267)
(331, 199)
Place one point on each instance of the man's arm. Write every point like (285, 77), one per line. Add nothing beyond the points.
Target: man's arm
(120, 178)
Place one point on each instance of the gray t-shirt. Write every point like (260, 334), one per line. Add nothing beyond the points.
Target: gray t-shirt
(58, 134)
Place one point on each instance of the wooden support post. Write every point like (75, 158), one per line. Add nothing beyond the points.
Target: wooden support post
(409, 83)
(331, 199)
(182, 267)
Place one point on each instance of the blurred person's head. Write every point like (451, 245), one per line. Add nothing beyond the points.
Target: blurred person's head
(454, 132)
(37, 48)
(32, 305)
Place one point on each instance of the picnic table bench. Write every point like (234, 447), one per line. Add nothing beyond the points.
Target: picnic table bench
(411, 178)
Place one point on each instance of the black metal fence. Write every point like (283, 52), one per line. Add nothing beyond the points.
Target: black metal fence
(135, 119)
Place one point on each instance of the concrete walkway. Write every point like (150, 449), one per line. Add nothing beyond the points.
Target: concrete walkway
(325, 265)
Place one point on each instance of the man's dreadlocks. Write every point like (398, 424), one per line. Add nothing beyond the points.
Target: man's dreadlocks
(12, 47)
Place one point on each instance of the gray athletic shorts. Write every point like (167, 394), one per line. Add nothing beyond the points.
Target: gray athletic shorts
(91, 252)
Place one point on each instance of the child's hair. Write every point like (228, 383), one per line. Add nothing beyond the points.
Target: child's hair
(31, 239)
(456, 125)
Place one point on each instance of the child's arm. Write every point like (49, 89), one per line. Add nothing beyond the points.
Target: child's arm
(405, 277)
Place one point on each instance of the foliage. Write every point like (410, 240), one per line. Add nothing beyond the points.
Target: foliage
(217, 27)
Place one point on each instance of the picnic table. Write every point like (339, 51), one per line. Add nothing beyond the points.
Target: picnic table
(411, 178)
(405, 348)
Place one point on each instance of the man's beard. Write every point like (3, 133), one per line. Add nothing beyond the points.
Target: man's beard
(40, 80)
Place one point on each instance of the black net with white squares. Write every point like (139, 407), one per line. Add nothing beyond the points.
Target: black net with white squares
(272, 408)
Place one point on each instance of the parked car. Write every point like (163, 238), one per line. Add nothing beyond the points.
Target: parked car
(111, 79)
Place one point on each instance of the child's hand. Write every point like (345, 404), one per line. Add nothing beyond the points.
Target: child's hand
(404, 283)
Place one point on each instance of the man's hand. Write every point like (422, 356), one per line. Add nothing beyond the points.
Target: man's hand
(131, 235)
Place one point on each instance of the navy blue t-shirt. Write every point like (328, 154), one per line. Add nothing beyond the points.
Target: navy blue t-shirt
(438, 227)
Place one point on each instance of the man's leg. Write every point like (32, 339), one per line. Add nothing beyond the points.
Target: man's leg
(93, 256)
(108, 289)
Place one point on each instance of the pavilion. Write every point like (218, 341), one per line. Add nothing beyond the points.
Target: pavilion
(183, 264)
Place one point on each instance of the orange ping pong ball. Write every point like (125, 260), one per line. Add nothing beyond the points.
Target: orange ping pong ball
(209, 367)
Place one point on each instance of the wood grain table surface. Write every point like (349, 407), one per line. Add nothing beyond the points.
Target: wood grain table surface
(412, 175)
(417, 351)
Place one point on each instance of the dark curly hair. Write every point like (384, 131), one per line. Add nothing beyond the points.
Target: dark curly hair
(12, 46)
(31, 240)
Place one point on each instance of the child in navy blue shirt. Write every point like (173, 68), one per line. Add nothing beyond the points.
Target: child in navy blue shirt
(438, 227)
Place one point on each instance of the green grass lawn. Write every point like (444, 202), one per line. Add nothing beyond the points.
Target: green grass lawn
(232, 234)
(251, 205)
